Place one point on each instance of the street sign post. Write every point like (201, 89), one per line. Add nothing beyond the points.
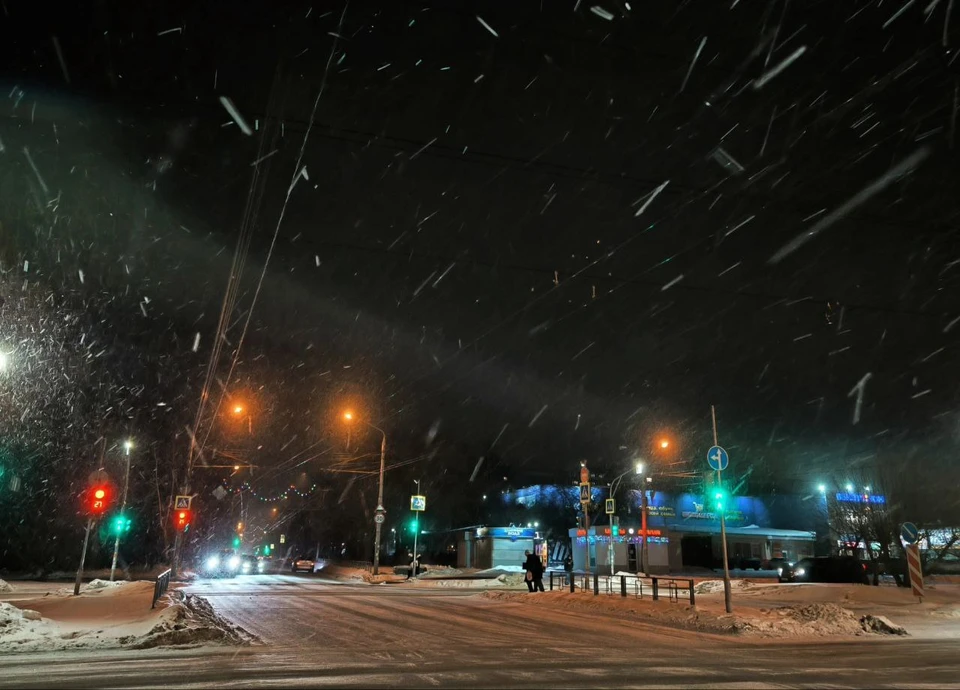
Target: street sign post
(584, 493)
(418, 503)
(378, 518)
(718, 460)
(182, 502)
(915, 571)
(909, 533)
(610, 506)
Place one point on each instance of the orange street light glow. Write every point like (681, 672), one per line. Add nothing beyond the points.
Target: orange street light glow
(238, 409)
(664, 443)
(348, 416)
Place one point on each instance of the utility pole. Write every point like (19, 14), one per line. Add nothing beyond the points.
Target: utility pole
(379, 517)
(83, 558)
(723, 526)
(123, 507)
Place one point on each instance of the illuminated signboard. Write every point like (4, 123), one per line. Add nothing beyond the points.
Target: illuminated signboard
(846, 497)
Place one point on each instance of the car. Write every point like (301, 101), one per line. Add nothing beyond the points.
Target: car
(225, 563)
(825, 569)
(775, 563)
(250, 565)
(303, 564)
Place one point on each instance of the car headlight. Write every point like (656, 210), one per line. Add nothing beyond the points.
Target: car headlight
(779, 571)
(260, 566)
(790, 564)
(246, 566)
(800, 571)
(234, 562)
(213, 562)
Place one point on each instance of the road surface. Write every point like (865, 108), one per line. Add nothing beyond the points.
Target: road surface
(317, 633)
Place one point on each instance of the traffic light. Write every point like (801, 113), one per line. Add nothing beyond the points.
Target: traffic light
(236, 542)
(413, 525)
(266, 550)
(719, 499)
(98, 499)
(181, 519)
(121, 524)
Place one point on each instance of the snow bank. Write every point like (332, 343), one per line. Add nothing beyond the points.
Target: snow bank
(714, 586)
(882, 625)
(5, 586)
(94, 585)
(190, 620)
(805, 620)
(22, 628)
(112, 617)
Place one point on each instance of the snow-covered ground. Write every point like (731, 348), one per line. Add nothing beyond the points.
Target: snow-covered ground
(784, 611)
(112, 614)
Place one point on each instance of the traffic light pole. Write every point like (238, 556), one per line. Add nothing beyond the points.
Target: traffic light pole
(119, 527)
(723, 527)
(83, 558)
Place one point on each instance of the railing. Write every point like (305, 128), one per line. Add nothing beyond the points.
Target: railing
(674, 585)
(160, 586)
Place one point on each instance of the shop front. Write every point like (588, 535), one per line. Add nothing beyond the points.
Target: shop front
(494, 547)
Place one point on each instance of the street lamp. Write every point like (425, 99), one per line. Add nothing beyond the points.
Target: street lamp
(664, 444)
(349, 417)
(822, 488)
(127, 445)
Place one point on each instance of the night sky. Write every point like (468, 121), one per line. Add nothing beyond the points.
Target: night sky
(544, 231)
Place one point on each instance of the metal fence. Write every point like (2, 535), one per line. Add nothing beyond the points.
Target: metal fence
(160, 586)
(655, 586)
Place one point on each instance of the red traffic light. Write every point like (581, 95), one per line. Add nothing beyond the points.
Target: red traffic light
(181, 519)
(99, 499)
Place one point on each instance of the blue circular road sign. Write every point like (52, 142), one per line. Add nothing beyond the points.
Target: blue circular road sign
(717, 458)
(909, 533)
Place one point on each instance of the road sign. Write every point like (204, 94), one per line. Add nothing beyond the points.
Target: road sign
(717, 458)
(584, 492)
(182, 502)
(610, 506)
(381, 509)
(915, 571)
(378, 518)
(909, 533)
(418, 503)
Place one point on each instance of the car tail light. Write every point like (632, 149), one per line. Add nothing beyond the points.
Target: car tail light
(864, 566)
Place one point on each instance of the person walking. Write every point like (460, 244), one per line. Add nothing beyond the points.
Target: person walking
(534, 577)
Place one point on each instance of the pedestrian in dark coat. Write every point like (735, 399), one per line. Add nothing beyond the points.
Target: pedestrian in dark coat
(534, 577)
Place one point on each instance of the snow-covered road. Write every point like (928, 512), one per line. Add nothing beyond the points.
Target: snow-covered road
(320, 634)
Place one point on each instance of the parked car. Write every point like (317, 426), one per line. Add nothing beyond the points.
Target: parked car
(303, 564)
(825, 569)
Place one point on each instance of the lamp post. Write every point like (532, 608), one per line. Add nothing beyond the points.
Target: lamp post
(614, 485)
(127, 445)
(349, 416)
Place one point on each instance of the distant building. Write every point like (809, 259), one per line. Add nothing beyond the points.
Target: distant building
(684, 531)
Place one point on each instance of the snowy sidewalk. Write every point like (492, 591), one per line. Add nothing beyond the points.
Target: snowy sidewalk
(110, 615)
(796, 611)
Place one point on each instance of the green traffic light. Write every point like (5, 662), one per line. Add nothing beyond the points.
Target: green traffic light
(236, 542)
